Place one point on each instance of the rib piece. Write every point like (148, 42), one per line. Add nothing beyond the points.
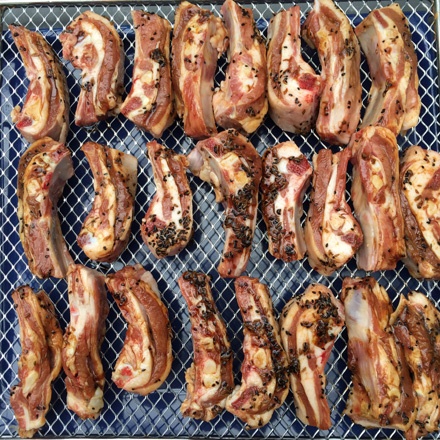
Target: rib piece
(168, 223)
(310, 324)
(150, 101)
(328, 30)
(241, 101)
(199, 39)
(376, 198)
(231, 164)
(40, 360)
(106, 230)
(265, 382)
(209, 378)
(416, 324)
(46, 108)
(385, 38)
(42, 173)
(92, 45)
(420, 198)
(85, 377)
(382, 392)
(293, 86)
(332, 234)
(145, 360)
(286, 177)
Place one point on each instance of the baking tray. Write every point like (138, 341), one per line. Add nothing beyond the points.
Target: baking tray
(158, 415)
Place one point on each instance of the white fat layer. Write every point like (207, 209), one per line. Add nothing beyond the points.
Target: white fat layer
(37, 106)
(287, 201)
(334, 221)
(148, 278)
(30, 422)
(145, 78)
(191, 47)
(143, 369)
(33, 185)
(92, 37)
(173, 193)
(429, 208)
(357, 316)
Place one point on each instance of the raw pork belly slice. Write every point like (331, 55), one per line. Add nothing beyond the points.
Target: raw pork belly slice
(385, 38)
(231, 164)
(264, 382)
(382, 392)
(416, 325)
(329, 31)
(46, 108)
(420, 197)
(310, 323)
(92, 45)
(150, 103)
(43, 171)
(332, 233)
(286, 177)
(293, 87)
(376, 198)
(210, 378)
(106, 230)
(146, 357)
(40, 364)
(85, 376)
(168, 223)
(241, 102)
(199, 39)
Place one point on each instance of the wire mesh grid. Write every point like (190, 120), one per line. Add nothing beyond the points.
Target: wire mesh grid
(157, 415)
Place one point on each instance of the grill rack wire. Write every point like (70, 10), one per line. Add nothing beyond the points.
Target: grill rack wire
(157, 415)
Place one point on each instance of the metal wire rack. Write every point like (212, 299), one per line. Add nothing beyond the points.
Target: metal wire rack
(158, 415)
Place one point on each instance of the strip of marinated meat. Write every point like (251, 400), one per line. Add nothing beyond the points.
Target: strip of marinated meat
(145, 360)
(168, 224)
(46, 108)
(328, 30)
(85, 376)
(42, 173)
(92, 45)
(150, 103)
(332, 234)
(209, 379)
(39, 365)
(231, 164)
(376, 198)
(106, 229)
(385, 38)
(265, 382)
(286, 177)
(310, 324)
(420, 198)
(199, 39)
(416, 325)
(382, 392)
(293, 87)
(241, 102)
